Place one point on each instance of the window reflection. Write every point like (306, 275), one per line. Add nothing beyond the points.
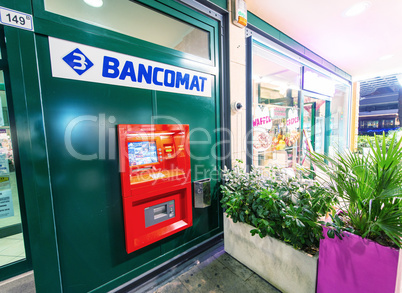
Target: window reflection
(276, 123)
(288, 121)
(138, 21)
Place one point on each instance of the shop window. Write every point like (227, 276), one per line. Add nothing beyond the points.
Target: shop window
(138, 21)
(388, 123)
(339, 125)
(289, 117)
(275, 109)
(372, 124)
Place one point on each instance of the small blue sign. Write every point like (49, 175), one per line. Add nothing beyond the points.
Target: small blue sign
(78, 61)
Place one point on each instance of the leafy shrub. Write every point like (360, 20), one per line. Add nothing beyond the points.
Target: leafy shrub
(284, 207)
(371, 191)
(365, 141)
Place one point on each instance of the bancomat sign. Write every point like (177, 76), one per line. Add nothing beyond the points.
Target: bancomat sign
(81, 62)
(156, 182)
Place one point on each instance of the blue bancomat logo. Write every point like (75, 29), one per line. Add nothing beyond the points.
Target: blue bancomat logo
(78, 61)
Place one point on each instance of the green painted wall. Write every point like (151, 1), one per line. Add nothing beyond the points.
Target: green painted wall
(19, 5)
(74, 207)
(221, 3)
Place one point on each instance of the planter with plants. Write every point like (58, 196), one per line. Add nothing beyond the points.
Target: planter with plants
(360, 250)
(272, 224)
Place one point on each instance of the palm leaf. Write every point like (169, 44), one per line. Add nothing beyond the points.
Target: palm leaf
(370, 187)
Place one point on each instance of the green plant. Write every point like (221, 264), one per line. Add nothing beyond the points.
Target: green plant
(369, 189)
(363, 141)
(284, 207)
(239, 190)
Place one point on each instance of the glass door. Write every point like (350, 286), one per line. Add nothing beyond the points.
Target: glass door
(12, 247)
(315, 116)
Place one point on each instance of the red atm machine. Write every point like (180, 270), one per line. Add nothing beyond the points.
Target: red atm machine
(156, 182)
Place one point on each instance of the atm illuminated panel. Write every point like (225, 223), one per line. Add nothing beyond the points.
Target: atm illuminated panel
(142, 153)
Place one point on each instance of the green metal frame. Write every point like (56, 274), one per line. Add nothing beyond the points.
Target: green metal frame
(23, 265)
(327, 127)
(327, 138)
(22, 49)
(313, 123)
(221, 3)
(19, 5)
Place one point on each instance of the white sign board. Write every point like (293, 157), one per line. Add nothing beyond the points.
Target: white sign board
(262, 123)
(16, 19)
(318, 83)
(4, 169)
(6, 204)
(81, 62)
(293, 121)
(262, 118)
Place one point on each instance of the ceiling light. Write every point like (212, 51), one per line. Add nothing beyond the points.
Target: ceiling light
(357, 9)
(385, 57)
(94, 3)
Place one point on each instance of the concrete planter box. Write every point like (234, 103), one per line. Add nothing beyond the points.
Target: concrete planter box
(286, 268)
(354, 264)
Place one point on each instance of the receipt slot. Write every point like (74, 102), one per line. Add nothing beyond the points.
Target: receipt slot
(156, 182)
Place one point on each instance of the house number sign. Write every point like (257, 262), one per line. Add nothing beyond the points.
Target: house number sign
(16, 19)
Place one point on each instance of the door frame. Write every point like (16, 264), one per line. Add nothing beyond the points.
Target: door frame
(313, 119)
(23, 265)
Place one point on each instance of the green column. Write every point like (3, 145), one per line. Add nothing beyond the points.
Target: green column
(327, 127)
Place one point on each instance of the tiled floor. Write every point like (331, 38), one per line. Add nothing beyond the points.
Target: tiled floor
(23, 283)
(11, 249)
(219, 272)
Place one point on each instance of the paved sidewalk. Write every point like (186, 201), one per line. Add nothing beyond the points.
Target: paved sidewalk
(216, 271)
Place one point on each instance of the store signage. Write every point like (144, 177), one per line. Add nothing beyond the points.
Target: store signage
(4, 168)
(316, 82)
(81, 62)
(293, 121)
(262, 123)
(278, 112)
(262, 118)
(16, 19)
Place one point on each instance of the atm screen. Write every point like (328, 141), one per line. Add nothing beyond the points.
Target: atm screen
(142, 152)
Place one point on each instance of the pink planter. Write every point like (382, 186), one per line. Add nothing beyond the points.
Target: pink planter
(356, 265)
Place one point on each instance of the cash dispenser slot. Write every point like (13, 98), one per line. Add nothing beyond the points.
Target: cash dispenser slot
(159, 213)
